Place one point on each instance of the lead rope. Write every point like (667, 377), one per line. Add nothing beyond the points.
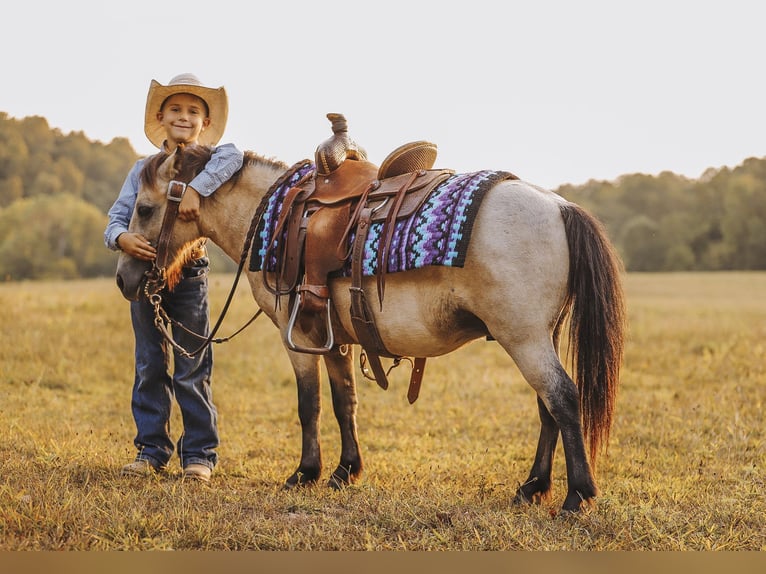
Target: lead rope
(161, 318)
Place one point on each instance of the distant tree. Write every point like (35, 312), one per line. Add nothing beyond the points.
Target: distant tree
(45, 183)
(105, 172)
(37, 160)
(11, 189)
(40, 138)
(675, 234)
(69, 174)
(53, 237)
(14, 155)
(669, 222)
(642, 245)
(743, 224)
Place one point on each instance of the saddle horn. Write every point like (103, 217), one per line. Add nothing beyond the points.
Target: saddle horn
(332, 152)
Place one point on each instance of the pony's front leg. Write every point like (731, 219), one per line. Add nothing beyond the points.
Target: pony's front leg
(537, 487)
(306, 369)
(344, 401)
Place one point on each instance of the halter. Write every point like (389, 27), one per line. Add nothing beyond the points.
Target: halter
(156, 277)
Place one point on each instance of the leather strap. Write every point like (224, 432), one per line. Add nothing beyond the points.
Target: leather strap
(416, 377)
(364, 326)
(287, 204)
(321, 291)
(353, 221)
(284, 215)
(175, 194)
(363, 320)
(388, 232)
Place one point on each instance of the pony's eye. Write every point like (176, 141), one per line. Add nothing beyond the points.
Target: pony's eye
(144, 211)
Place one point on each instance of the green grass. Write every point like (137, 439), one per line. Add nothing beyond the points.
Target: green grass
(686, 466)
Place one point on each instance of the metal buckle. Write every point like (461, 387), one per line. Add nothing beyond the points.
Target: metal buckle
(176, 190)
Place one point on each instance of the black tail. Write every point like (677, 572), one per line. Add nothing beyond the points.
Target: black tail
(597, 322)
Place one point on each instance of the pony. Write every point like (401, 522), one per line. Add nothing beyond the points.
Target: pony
(537, 266)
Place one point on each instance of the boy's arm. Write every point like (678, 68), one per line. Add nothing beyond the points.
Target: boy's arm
(225, 161)
(122, 209)
(116, 236)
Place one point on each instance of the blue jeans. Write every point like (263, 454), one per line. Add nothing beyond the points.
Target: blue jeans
(155, 387)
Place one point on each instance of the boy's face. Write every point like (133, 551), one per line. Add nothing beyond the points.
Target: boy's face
(184, 117)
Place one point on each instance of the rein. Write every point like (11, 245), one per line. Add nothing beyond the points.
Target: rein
(157, 276)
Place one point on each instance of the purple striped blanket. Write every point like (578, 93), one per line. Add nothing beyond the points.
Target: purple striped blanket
(438, 233)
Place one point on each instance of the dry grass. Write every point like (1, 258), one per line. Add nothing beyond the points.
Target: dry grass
(685, 471)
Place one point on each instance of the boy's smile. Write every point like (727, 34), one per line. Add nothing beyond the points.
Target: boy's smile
(183, 116)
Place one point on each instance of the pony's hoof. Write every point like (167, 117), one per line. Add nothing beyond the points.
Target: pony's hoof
(533, 491)
(298, 480)
(576, 504)
(336, 483)
(342, 477)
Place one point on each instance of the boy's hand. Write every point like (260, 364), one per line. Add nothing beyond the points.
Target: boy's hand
(188, 209)
(136, 245)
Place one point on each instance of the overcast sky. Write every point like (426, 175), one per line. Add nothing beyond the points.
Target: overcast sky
(554, 91)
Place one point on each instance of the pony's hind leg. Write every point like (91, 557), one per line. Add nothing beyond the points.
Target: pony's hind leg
(543, 371)
(344, 401)
(563, 403)
(537, 487)
(309, 469)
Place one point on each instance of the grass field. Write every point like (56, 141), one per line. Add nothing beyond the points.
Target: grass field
(686, 468)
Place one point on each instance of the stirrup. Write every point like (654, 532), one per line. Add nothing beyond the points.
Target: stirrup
(329, 342)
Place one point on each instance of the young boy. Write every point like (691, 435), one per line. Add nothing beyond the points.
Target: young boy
(182, 112)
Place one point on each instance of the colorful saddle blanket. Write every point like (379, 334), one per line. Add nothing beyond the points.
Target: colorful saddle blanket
(438, 233)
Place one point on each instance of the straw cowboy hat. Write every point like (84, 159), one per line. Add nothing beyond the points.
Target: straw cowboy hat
(215, 98)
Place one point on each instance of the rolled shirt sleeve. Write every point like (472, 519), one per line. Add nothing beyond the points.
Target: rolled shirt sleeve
(225, 161)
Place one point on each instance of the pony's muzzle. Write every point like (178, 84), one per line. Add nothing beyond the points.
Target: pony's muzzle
(131, 278)
(129, 294)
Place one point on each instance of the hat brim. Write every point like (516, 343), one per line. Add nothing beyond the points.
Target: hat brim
(217, 103)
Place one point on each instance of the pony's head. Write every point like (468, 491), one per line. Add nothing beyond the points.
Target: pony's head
(149, 213)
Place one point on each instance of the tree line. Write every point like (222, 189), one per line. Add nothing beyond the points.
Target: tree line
(55, 190)
(672, 223)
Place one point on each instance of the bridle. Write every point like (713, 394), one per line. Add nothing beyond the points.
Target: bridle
(156, 277)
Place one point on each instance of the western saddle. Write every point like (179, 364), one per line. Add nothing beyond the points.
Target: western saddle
(346, 193)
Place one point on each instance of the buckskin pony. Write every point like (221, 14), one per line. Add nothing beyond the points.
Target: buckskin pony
(534, 267)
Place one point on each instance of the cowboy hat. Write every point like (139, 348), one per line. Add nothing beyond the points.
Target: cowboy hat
(216, 100)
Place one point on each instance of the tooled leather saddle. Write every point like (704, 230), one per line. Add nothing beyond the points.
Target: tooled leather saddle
(343, 196)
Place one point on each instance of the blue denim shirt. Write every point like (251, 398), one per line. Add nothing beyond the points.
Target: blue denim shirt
(225, 161)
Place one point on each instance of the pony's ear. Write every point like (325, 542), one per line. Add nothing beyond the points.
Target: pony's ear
(169, 170)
